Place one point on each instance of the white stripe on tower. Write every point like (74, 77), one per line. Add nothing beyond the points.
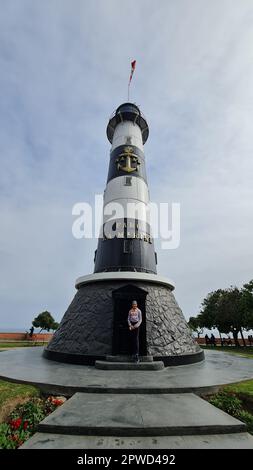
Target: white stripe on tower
(123, 132)
(131, 198)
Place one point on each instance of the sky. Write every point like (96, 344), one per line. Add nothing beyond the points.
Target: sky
(64, 68)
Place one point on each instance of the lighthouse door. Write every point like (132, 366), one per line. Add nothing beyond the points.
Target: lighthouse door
(123, 298)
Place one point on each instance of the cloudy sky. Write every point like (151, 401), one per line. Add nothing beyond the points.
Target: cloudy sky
(64, 67)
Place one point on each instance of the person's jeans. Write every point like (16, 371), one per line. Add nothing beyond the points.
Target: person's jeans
(135, 341)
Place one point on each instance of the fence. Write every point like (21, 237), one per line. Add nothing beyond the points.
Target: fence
(43, 337)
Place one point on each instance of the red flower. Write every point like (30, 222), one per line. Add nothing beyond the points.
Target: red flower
(57, 402)
(15, 423)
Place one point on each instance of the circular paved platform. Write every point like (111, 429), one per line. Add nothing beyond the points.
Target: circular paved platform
(28, 366)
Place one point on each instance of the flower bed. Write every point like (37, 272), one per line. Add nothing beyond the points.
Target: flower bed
(23, 421)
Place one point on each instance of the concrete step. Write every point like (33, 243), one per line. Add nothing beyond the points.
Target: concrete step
(122, 358)
(106, 365)
(215, 441)
(139, 415)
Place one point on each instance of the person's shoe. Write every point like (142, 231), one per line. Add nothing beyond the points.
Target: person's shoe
(136, 359)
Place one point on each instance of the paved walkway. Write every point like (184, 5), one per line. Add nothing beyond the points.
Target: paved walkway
(174, 421)
(27, 365)
(205, 441)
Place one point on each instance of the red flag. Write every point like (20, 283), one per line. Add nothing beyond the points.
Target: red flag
(132, 70)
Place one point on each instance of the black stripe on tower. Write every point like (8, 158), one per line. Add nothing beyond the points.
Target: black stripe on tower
(126, 228)
(127, 160)
(121, 254)
(126, 245)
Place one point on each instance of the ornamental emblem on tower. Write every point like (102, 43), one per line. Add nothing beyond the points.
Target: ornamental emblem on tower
(127, 161)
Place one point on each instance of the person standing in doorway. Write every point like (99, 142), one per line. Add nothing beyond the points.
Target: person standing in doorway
(134, 322)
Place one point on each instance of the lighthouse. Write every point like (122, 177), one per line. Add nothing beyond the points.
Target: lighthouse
(94, 326)
(126, 242)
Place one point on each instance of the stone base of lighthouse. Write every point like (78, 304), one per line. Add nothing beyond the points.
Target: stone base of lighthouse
(95, 324)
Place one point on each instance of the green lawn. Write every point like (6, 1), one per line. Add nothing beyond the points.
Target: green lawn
(9, 391)
(12, 394)
(21, 344)
(245, 388)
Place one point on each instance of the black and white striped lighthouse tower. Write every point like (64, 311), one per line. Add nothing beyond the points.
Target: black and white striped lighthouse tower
(126, 242)
(95, 324)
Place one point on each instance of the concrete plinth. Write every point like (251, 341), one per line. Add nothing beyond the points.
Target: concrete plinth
(139, 415)
(128, 358)
(115, 365)
(104, 411)
(26, 365)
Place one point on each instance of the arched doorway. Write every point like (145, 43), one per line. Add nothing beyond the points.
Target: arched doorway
(122, 299)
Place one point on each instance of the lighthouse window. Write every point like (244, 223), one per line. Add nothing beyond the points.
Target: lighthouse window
(128, 181)
(128, 246)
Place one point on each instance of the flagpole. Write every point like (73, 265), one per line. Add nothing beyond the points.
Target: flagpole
(131, 76)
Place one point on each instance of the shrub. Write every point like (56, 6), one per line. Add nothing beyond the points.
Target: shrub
(5, 437)
(24, 419)
(227, 402)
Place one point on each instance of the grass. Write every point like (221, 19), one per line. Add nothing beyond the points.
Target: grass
(243, 352)
(245, 388)
(244, 391)
(21, 344)
(11, 394)
(9, 390)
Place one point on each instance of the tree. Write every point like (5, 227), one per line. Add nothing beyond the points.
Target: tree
(230, 313)
(45, 321)
(209, 309)
(229, 310)
(194, 325)
(247, 304)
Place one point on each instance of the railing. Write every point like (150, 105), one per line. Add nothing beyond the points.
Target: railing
(115, 112)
